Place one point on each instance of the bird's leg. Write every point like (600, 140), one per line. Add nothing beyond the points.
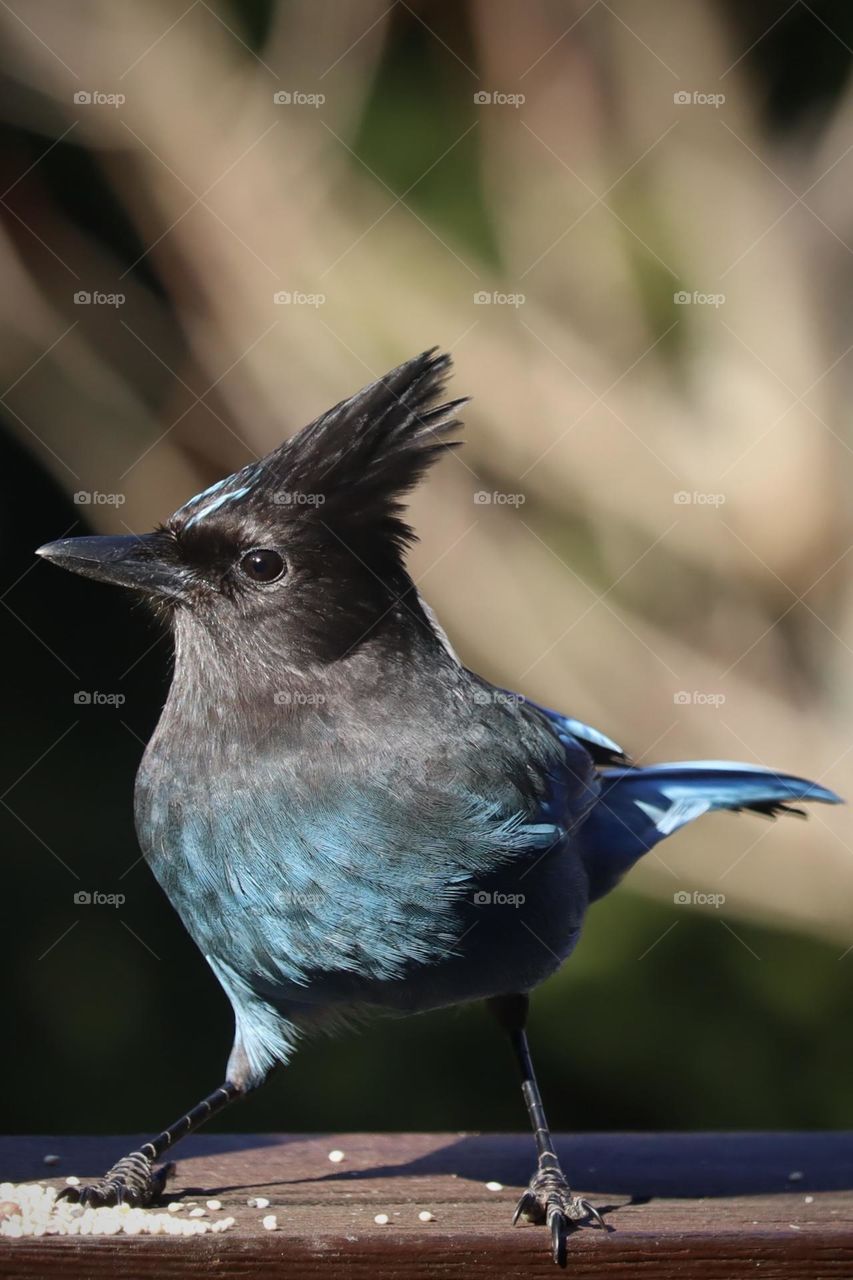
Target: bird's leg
(548, 1199)
(133, 1179)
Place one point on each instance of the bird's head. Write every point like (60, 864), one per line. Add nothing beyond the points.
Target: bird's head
(305, 547)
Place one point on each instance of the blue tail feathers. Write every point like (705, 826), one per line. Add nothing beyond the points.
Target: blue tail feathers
(639, 807)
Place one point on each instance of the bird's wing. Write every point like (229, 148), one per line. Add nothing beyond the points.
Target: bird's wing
(603, 750)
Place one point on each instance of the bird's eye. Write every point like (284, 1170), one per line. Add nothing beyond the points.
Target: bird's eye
(262, 565)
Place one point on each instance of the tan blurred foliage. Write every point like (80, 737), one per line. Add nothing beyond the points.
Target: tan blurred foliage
(599, 400)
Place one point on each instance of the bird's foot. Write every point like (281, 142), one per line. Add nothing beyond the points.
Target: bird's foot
(132, 1180)
(549, 1200)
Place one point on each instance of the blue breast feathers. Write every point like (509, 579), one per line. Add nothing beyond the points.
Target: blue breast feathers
(272, 887)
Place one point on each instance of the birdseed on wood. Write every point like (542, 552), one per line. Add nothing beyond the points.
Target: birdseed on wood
(28, 1209)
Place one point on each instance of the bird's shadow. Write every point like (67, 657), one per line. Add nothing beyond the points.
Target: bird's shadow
(637, 1166)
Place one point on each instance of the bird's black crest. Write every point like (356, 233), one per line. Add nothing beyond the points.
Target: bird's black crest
(351, 467)
(361, 457)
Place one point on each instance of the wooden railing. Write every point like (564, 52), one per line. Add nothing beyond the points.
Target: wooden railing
(678, 1206)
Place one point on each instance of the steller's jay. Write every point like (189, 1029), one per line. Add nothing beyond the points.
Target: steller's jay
(346, 818)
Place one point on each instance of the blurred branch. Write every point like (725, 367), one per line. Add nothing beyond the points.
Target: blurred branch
(599, 399)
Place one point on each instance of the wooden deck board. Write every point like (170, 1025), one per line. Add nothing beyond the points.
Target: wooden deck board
(686, 1205)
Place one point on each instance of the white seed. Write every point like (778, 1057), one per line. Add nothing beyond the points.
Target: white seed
(494, 1186)
(71, 1181)
(270, 1222)
(175, 1207)
(214, 1204)
(336, 1156)
(426, 1216)
(198, 1213)
(40, 1214)
(258, 1202)
(381, 1219)
(51, 1160)
(808, 1199)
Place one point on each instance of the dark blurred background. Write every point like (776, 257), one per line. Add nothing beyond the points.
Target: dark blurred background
(656, 201)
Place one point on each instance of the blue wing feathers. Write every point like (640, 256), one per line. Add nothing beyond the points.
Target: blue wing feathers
(602, 749)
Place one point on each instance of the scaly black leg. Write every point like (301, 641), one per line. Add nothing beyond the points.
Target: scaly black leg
(133, 1179)
(548, 1199)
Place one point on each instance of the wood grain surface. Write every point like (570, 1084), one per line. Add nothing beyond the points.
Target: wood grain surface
(678, 1205)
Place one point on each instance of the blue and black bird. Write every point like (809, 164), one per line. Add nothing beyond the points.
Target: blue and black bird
(340, 810)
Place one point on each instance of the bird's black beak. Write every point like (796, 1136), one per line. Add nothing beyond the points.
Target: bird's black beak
(144, 563)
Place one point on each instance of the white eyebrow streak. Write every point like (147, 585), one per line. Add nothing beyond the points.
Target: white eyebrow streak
(216, 503)
(205, 493)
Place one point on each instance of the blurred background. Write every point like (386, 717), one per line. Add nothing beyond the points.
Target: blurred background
(632, 224)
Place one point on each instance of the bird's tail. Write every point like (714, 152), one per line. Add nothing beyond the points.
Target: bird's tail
(637, 808)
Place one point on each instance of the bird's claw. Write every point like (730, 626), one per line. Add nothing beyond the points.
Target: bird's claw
(550, 1201)
(132, 1180)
